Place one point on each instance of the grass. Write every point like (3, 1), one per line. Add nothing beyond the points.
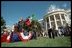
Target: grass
(41, 42)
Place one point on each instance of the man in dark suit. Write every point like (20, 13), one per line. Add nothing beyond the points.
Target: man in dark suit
(51, 33)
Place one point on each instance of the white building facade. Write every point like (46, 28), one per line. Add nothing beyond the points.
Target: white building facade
(57, 18)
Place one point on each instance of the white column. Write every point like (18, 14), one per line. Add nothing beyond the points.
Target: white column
(66, 18)
(49, 22)
(61, 19)
(55, 23)
(46, 25)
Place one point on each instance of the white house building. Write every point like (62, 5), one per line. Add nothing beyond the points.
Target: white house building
(57, 18)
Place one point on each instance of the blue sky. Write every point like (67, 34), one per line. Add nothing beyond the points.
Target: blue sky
(13, 10)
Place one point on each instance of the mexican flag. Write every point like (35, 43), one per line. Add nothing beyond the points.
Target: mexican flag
(29, 19)
(28, 22)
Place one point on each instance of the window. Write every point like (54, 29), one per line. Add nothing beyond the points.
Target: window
(62, 15)
(52, 18)
(52, 24)
(58, 23)
(47, 19)
(57, 17)
(64, 22)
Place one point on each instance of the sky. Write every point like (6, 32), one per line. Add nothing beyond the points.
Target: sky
(11, 11)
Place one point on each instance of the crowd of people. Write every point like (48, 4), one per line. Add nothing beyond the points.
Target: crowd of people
(52, 33)
(62, 31)
(17, 28)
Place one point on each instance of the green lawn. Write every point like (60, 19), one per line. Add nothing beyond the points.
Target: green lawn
(42, 42)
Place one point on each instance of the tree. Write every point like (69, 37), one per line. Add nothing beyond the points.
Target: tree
(35, 25)
(2, 21)
(25, 27)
